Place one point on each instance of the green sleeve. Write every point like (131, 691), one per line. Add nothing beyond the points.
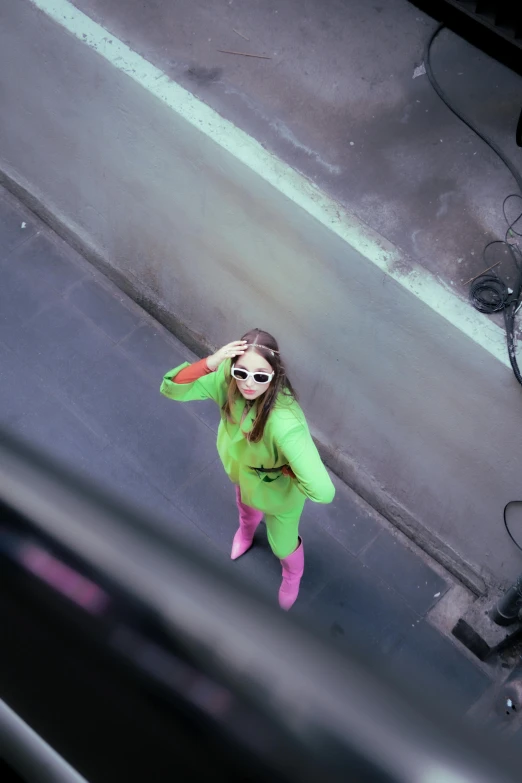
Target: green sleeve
(301, 454)
(208, 387)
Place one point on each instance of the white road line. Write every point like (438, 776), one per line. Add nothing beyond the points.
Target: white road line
(414, 278)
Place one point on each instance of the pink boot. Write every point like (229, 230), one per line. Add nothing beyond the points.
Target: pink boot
(249, 519)
(293, 567)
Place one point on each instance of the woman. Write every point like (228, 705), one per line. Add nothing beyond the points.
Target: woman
(264, 444)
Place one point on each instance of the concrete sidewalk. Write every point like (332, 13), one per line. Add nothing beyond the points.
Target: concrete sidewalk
(80, 369)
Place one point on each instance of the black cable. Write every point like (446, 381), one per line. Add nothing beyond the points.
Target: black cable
(510, 534)
(510, 227)
(488, 292)
(442, 95)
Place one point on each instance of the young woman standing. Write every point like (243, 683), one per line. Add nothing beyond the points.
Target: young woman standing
(264, 444)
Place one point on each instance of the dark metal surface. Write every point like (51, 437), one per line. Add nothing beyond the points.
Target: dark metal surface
(502, 17)
(509, 605)
(104, 608)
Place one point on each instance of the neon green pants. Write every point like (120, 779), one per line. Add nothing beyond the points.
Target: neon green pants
(282, 529)
(283, 532)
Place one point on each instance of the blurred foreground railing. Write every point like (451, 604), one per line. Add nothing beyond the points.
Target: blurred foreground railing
(32, 758)
(138, 660)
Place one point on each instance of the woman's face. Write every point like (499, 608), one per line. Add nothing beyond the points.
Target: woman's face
(253, 362)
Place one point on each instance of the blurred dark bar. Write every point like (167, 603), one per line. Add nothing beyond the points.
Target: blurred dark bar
(502, 17)
(32, 757)
(136, 660)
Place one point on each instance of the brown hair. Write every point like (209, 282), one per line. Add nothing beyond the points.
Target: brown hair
(266, 346)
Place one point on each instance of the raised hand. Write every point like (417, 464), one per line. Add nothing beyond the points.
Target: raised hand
(229, 351)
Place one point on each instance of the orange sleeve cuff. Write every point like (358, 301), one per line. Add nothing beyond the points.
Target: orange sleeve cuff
(192, 373)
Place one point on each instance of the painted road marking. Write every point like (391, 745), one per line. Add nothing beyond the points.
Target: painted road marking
(432, 291)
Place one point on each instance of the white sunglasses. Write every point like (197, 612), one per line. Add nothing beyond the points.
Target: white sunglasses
(259, 377)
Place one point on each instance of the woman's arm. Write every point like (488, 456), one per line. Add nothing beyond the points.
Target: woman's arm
(204, 379)
(192, 372)
(183, 389)
(304, 461)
